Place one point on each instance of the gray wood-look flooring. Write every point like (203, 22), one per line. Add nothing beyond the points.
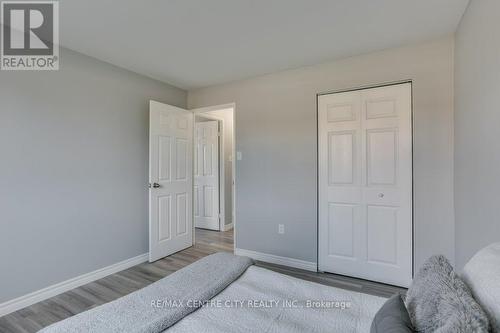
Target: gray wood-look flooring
(37, 316)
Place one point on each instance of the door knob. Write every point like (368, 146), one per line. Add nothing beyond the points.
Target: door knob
(381, 195)
(155, 185)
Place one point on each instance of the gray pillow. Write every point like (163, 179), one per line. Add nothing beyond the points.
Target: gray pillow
(482, 275)
(439, 301)
(392, 317)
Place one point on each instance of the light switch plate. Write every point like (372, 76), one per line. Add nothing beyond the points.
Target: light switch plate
(239, 155)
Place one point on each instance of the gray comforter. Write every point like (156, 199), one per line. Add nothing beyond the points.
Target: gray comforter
(160, 305)
(353, 313)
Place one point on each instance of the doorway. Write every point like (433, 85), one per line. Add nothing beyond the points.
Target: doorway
(171, 176)
(207, 173)
(365, 183)
(214, 168)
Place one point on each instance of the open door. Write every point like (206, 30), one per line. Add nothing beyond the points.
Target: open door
(170, 180)
(206, 175)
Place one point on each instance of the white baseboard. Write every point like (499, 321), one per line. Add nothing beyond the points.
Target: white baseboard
(227, 227)
(273, 259)
(56, 289)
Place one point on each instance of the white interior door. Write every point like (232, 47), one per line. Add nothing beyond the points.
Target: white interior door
(206, 175)
(171, 180)
(365, 184)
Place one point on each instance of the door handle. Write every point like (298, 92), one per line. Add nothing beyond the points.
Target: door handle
(155, 185)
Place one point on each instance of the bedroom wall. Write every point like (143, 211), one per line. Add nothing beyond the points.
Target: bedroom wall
(477, 116)
(73, 170)
(276, 132)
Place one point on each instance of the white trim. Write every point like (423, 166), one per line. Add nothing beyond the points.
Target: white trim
(214, 108)
(59, 288)
(233, 189)
(285, 261)
(227, 227)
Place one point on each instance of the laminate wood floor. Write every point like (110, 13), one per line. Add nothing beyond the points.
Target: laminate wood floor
(39, 315)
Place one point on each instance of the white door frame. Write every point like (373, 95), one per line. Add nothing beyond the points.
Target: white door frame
(221, 171)
(412, 120)
(202, 112)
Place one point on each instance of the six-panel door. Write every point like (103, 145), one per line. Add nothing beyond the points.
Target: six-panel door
(206, 175)
(171, 180)
(365, 183)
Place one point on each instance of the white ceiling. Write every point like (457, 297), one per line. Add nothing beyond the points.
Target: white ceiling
(197, 43)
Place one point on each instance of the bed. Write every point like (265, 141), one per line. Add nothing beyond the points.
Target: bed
(227, 293)
(343, 311)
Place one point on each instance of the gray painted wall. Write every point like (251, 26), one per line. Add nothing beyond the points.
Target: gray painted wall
(477, 117)
(276, 132)
(73, 170)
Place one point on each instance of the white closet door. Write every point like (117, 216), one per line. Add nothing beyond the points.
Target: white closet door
(365, 184)
(206, 175)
